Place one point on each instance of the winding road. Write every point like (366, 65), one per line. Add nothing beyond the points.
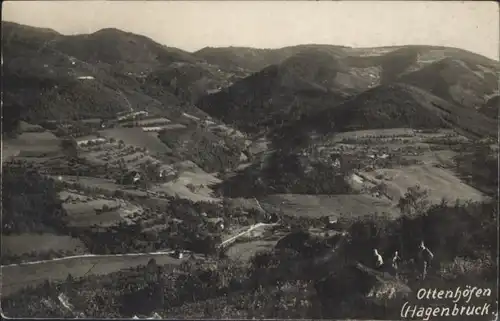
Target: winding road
(170, 252)
(17, 276)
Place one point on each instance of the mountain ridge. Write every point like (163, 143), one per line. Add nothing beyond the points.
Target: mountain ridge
(296, 82)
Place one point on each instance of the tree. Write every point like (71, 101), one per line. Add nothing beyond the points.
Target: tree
(69, 284)
(151, 271)
(70, 147)
(415, 202)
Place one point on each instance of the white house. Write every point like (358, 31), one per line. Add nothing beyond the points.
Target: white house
(136, 177)
(95, 140)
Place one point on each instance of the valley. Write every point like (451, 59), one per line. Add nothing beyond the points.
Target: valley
(140, 179)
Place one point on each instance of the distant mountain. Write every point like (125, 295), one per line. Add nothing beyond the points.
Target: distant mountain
(252, 59)
(290, 90)
(48, 75)
(395, 106)
(191, 81)
(461, 81)
(320, 77)
(51, 76)
(131, 52)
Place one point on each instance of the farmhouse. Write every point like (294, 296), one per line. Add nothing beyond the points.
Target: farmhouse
(86, 140)
(331, 222)
(132, 177)
(216, 223)
(178, 254)
(166, 173)
(271, 217)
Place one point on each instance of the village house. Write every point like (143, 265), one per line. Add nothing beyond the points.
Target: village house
(86, 140)
(331, 222)
(132, 177)
(178, 254)
(216, 223)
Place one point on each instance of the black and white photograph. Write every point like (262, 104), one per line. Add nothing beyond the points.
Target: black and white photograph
(250, 160)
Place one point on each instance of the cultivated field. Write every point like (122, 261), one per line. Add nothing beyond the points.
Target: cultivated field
(136, 137)
(113, 153)
(148, 122)
(249, 244)
(28, 242)
(192, 183)
(173, 126)
(441, 183)
(30, 143)
(244, 251)
(15, 278)
(101, 211)
(27, 127)
(316, 206)
(100, 184)
(396, 138)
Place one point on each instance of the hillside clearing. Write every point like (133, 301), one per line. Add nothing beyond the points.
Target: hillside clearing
(89, 211)
(244, 251)
(441, 183)
(29, 143)
(99, 184)
(316, 206)
(192, 185)
(136, 137)
(29, 242)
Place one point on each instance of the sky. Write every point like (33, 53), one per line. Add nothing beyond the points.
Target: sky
(192, 25)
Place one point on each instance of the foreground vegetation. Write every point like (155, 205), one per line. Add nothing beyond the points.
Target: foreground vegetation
(301, 278)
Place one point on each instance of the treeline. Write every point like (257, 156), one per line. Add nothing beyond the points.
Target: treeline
(285, 173)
